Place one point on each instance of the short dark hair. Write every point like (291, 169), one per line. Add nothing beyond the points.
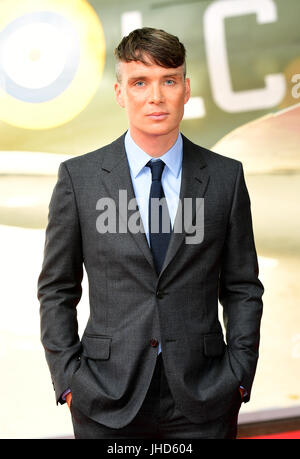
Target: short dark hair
(159, 46)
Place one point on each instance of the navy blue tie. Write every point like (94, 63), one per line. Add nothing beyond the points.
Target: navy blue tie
(159, 218)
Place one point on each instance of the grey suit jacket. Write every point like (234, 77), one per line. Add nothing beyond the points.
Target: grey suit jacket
(109, 370)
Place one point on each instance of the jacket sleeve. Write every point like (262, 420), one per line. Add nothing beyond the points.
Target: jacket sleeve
(240, 290)
(59, 284)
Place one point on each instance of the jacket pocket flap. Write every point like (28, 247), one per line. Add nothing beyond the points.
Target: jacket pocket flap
(214, 344)
(96, 347)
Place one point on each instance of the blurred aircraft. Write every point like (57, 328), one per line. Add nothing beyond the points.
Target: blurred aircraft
(57, 73)
(267, 145)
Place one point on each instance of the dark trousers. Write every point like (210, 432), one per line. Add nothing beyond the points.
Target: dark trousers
(159, 418)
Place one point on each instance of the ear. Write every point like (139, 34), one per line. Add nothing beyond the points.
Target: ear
(187, 90)
(119, 94)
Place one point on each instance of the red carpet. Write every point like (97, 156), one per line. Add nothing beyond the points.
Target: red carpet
(295, 434)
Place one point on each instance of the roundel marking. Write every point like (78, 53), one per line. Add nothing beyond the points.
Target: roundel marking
(51, 61)
(59, 41)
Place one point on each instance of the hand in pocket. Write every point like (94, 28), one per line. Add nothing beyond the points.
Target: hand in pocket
(69, 399)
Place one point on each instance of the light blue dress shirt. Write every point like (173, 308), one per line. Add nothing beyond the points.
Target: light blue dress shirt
(141, 178)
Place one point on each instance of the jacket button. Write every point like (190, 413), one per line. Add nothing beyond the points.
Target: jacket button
(154, 342)
(159, 294)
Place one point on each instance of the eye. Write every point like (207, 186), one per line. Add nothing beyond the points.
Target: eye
(139, 84)
(170, 82)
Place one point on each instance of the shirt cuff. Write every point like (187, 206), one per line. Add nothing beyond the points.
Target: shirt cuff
(66, 392)
(244, 391)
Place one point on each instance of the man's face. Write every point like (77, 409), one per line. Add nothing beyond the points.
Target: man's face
(153, 97)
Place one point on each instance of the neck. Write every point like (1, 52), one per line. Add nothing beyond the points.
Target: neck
(154, 145)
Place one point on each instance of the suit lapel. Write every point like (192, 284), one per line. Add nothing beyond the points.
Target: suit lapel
(194, 181)
(117, 178)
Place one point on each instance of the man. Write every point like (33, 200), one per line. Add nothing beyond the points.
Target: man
(152, 361)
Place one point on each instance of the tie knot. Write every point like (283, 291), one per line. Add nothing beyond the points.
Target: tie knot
(157, 168)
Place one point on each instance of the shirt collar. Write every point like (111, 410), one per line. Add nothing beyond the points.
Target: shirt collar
(138, 158)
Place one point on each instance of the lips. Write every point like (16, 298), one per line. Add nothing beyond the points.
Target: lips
(158, 115)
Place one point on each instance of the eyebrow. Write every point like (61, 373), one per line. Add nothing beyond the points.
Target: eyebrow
(171, 75)
(144, 77)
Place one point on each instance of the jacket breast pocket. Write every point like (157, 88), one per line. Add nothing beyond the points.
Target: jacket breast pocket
(96, 347)
(214, 344)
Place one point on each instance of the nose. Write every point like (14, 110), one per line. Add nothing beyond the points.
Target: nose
(156, 95)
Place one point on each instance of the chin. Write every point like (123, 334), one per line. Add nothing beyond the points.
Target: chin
(161, 130)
